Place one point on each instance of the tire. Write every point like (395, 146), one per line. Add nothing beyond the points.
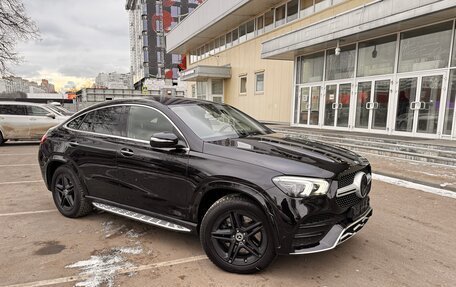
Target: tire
(2, 140)
(68, 193)
(245, 247)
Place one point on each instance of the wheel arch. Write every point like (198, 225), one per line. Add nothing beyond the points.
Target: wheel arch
(53, 165)
(212, 192)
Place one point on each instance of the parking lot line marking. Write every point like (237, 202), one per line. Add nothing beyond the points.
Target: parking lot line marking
(20, 182)
(27, 212)
(17, 154)
(413, 185)
(17, 165)
(122, 271)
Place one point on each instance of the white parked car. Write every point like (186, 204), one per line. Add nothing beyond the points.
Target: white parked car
(27, 121)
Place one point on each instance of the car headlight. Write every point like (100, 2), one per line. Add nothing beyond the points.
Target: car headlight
(301, 186)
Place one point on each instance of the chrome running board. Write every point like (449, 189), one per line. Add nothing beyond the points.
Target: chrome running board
(141, 217)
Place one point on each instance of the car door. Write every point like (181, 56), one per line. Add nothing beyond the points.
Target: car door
(40, 120)
(153, 179)
(14, 123)
(92, 146)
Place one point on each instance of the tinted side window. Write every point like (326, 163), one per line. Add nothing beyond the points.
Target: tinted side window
(104, 121)
(74, 124)
(16, 110)
(144, 122)
(36, 111)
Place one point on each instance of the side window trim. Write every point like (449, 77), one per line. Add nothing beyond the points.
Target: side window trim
(125, 118)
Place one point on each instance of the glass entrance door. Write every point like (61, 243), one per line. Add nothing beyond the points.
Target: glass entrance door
(309, 105)
(418, 104)
(372, 99)
(337, 104)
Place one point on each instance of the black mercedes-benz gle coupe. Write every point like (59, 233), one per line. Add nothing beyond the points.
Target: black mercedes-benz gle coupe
(209, 169)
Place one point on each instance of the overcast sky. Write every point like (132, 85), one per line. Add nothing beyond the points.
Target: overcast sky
(79, 39)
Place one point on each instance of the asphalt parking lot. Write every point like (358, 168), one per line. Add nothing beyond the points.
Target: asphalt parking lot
(410, 241)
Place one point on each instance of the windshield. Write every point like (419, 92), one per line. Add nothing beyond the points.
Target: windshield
(214, 122)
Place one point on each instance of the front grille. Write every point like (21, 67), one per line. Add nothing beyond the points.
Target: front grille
(314, 228)
(347, 200)
(346, 180)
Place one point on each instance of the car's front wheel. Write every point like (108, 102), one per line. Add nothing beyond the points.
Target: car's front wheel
(236, 235)
(68, 193)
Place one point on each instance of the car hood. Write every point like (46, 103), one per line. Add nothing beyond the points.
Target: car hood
(287, 154)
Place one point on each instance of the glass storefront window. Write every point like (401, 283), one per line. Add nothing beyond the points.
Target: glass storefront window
(376, 57)
(450, 104)
(217, 87)
(340, 66)
(311, 68)
(315, 105)
(425, 48)
(201, 91)
(292, 10)
(453, 62)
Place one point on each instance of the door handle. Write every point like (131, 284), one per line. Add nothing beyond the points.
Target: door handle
(127, 152)
(74, 144)
(375, 105)
(334, 106)
(340, 106)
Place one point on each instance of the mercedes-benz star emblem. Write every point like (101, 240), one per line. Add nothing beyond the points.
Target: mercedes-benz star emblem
(362, 182)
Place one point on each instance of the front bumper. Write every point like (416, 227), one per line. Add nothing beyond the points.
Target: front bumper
(337, 235)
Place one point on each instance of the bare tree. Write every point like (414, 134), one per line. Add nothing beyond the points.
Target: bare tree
(15, 25)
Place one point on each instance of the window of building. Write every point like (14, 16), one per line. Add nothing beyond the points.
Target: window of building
(340, 66)
(250, 28)
(450, 104)
(222, 43)
(145, 122)
(307, 8)
(377, 57)
(280, 16)
(211, 48)
(235, 36)
(242, 33)
(193, 91)
(425, 48)
(217, 87)
(201, 90)
(228, 40)
(243, 84)
(217, 45)
(259, 25)
(311, 68)
(269, 20)
(259, 82)
(292, 10)
(453, 62)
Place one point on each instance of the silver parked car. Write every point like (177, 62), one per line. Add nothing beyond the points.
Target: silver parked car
(27, 121)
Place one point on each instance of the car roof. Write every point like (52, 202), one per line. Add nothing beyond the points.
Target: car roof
(21, 103)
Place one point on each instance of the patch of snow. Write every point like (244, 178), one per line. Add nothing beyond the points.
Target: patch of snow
(102, 269)
(413, 185)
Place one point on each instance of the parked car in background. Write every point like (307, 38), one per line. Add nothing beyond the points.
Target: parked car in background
(207, 168)
(27, 121)
(59, 108)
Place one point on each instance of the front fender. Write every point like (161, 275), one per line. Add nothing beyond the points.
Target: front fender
(235, 185)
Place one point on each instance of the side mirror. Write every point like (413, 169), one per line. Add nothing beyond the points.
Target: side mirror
(51, 115)
(164, 140)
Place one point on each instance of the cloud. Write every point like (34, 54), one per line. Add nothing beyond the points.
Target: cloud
(79, 39)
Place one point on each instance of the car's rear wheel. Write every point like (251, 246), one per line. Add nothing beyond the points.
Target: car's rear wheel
(68, 193)
(236, 235)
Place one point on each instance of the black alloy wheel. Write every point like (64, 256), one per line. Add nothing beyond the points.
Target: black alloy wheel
(68, 193)
(236, 236)
(65, 191)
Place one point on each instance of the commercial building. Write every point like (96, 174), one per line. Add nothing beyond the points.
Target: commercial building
(149, 21)
(378, 66)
